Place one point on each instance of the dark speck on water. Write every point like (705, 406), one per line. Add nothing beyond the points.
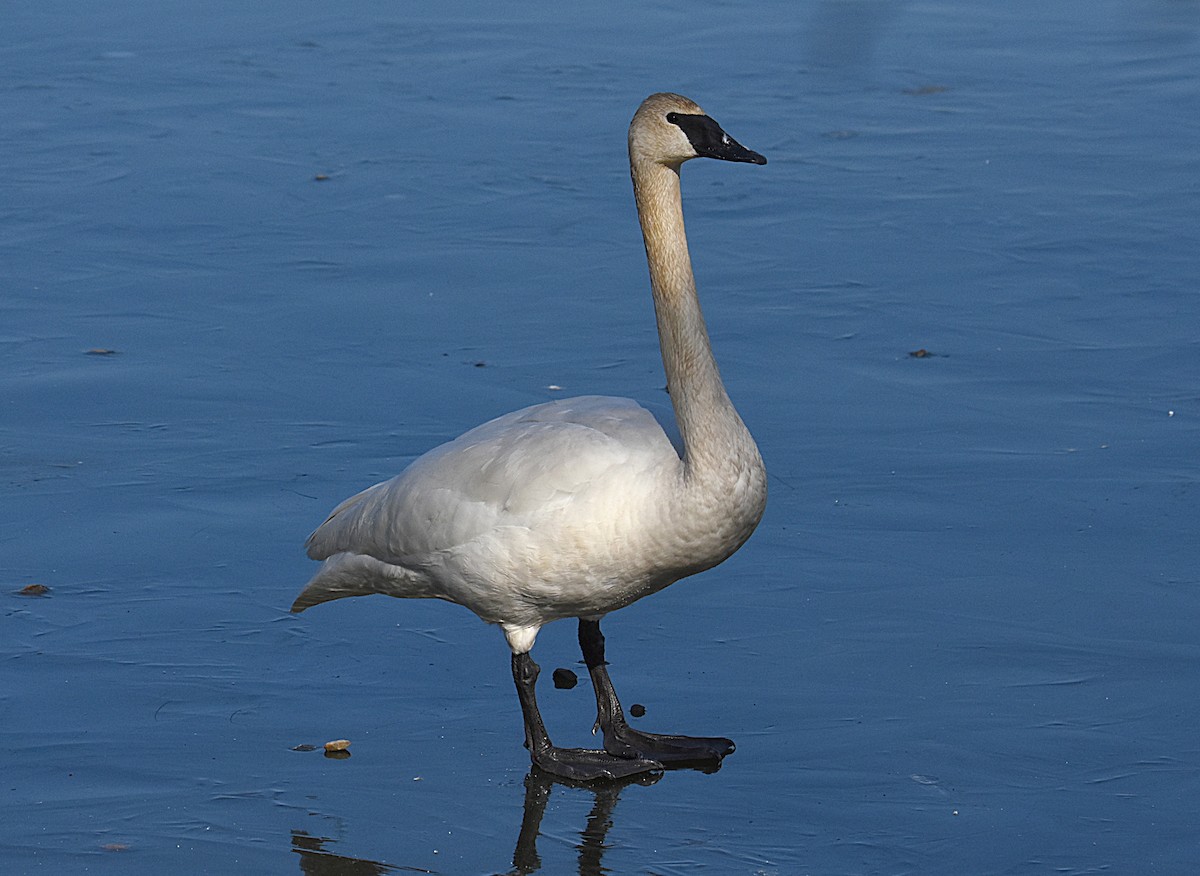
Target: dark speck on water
(982, 568)
(922, 90)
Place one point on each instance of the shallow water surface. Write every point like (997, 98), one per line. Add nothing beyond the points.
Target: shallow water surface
(259, 257)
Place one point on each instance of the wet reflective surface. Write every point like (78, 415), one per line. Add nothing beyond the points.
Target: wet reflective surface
(257, 259)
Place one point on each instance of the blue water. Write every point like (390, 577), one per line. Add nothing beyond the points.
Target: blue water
(321, 240)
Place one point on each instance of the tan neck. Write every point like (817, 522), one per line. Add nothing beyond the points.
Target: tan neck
(711, 429)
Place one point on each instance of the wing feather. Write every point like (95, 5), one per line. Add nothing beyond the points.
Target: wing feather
(517, 470)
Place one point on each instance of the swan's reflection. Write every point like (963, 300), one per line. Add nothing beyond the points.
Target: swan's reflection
(591, 846)
(315, 860)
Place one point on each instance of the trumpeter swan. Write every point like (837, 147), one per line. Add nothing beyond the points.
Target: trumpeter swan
(575, 508)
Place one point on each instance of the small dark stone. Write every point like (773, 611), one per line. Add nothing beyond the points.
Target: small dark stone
(565, 679)
(637, 710)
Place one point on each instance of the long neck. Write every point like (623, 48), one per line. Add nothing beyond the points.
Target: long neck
(713, 433)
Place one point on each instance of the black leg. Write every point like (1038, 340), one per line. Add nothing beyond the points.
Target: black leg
(580, 764)
(621, 739)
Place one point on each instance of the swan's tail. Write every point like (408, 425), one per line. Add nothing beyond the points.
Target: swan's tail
(348, 574)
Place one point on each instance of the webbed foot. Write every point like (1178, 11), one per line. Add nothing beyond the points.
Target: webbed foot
(669, 750)
(589, 765)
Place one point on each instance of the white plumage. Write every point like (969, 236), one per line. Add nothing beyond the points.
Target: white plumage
(578, 507)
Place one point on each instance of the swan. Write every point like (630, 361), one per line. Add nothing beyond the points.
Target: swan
(577, 507)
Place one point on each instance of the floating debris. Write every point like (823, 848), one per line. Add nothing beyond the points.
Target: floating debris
(100, 351)
(321, 177)
(304, 747)
(33, 590)
(565, 679)
(922, 90)
(921, 354)
(637, 710)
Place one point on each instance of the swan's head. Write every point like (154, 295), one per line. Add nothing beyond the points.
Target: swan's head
(669, 129)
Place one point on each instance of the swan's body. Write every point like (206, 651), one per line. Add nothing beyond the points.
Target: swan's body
(570, 508)
(578, 507)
